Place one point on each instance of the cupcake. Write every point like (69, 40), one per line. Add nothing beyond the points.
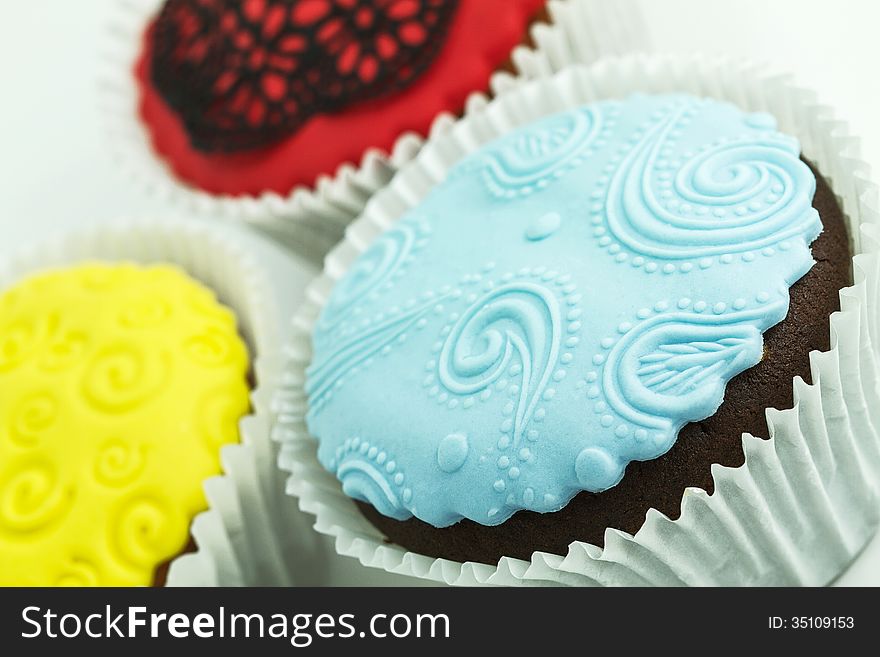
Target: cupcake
(247, 97)
(244, 102)
(123, 379)
(560, 344)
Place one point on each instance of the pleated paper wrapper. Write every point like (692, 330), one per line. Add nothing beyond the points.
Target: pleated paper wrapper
(311, 220)
(238, 537)
(805, 501)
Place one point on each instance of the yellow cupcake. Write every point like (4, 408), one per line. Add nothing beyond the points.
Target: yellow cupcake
(119, 384)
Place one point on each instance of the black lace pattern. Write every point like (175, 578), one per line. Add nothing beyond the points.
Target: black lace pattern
(243, 73)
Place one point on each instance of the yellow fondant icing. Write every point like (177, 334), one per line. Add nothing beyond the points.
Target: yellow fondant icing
(118, 386)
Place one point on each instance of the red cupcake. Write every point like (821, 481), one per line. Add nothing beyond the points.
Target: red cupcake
(253, 96)
(290, 114)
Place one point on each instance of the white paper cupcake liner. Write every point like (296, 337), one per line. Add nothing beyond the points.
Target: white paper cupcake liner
(234, 547)
(805, 501)
(312, 220)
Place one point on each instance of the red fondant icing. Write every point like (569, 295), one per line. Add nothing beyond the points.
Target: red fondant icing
(481, 36)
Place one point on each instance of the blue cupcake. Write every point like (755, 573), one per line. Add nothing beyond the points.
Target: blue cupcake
(566, 332)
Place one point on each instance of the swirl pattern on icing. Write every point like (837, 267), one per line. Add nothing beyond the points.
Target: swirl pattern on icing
(529, 160)
(145, 312)
(141, 533)
(119, 463)
(737, 194)
(370, 474)
(33, 499)
(32, 417)
(376, 271)
(590, 284)
(120, 385)
(64, 351)
(212, 347)
(122, 376)
(22, 337)
(78, 572)
(514, 327)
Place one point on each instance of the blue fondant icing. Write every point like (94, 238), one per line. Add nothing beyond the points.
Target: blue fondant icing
(452, 452)
(544, 226)
(570, 297)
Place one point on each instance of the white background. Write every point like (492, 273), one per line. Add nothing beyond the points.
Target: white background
(55, 170)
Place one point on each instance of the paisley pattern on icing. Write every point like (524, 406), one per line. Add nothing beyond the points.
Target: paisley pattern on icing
(376, 270)
(678, 363)
(529, 161)
(571, 296)
(118, 386)
(736, 194)
(354, 352)
(371, 474)
(503, 332)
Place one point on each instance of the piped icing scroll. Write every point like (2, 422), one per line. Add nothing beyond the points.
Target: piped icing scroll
(572, 295)
(119, 385)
